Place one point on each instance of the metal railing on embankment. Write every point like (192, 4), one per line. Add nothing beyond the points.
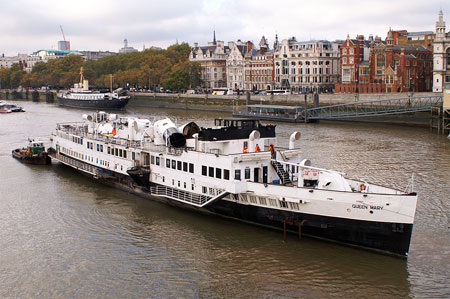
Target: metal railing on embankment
(375, 108)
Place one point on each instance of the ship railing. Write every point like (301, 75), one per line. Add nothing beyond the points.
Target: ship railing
(198, 200)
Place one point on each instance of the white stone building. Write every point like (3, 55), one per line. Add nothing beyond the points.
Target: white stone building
(441, 56)
(306, 66)
(235, 65)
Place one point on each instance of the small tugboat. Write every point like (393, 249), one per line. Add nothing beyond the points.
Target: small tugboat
(81, 97)
(34, 153)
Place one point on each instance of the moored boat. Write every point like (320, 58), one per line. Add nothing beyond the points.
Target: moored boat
(80, 96)
(34, 153)
(8, 108)
(232, 169)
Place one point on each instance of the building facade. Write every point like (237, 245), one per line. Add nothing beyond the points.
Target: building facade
(213, 62)
(259, 67)
(235, 64)
(423, 38)
(389, 67)
(441, 55)
(311, 66)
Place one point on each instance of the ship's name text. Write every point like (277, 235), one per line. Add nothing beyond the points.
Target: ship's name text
(365, 207)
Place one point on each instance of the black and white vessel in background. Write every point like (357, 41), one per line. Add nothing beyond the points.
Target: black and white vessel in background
(81, 97)
(233, 170)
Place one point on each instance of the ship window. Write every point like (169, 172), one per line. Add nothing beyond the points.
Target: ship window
(101, 148)
(87, 144)
(192, 187)
(226, 174)
(120, 153)
(163, 179)
(109, 150)
(174, 164)
(218, 173)
(283, 204)
(293, 205)
(204, 189)
(152, 159)
(185, 166)
(211, 172)
(204, 171)
(178, 183)
(98, 147)
(273, 202)
(124, 153)
(253, 199)
(237, 174)
(184, 185)
(191, 167)
(247, 173)
(133, 156)
(173, 182)
(179, 165)
(116, 150)
(167, 163)
(157, 161)
(263, 201)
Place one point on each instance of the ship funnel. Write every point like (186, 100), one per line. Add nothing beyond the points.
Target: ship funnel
(294, 136)
(167, 130)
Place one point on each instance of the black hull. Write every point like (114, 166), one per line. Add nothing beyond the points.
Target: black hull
(391, 238)
(41, 159)
(113, 104)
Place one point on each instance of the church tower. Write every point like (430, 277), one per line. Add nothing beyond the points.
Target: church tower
(439, 50)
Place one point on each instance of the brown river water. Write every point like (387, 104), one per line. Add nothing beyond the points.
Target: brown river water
(63, 235)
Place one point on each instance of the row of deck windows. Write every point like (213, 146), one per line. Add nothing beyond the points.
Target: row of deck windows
(78, 140)
(83, 157)
(118, 152)
(174, 164)
(215, 172)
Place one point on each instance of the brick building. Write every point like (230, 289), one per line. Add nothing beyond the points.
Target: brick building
(423, 38)
(389, 67)
(259, 67)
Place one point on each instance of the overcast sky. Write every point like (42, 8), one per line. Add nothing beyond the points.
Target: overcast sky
(27, 26)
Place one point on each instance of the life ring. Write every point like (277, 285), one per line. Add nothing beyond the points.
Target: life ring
(362, 187)
(306, 172)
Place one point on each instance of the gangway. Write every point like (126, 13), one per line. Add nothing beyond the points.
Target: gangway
(375, 108)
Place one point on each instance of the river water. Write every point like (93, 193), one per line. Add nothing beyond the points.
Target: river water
(63, 235)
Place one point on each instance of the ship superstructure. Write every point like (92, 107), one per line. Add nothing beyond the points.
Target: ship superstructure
(234, 169)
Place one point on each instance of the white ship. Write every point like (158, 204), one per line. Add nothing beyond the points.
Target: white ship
(211, 170)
